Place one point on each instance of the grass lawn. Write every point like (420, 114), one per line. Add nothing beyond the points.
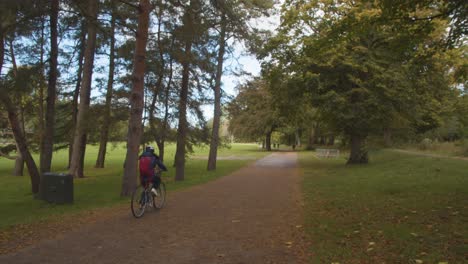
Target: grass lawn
(101, 187)
(398, 209)
(456, 148)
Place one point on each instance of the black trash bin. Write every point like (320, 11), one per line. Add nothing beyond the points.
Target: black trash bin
(57, 187)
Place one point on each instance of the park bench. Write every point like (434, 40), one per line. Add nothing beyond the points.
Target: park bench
(327, 153)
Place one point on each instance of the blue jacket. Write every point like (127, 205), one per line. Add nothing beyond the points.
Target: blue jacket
(156, 161)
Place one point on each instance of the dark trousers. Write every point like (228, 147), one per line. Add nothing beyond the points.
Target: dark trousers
(155, 179)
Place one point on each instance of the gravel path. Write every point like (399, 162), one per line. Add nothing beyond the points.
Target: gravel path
(251, 216)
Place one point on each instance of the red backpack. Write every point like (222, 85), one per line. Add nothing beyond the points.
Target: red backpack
(146, 167)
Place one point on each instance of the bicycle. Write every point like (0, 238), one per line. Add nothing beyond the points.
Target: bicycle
(142, 198)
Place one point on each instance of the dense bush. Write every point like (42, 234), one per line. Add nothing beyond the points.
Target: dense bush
(426, 144)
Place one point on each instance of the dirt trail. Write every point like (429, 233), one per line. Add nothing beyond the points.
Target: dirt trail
(251, 216)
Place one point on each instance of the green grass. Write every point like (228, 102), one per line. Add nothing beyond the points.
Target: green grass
(456, 148)
(397, 209)
(101, 187)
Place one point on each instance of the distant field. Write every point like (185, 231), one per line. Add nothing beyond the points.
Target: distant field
(398, 209)
(101, 187)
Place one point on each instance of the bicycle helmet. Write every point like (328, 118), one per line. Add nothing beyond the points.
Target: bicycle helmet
(149, 149)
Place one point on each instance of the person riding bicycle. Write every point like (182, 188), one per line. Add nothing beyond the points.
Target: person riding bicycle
(147, 162)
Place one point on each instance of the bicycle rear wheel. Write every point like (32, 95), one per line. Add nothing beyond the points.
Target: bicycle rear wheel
(139, 202)
(160, 199)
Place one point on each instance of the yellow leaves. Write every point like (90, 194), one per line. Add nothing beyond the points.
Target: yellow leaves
(420, 261)
(368, 13)
(370, 246)
(360, 49)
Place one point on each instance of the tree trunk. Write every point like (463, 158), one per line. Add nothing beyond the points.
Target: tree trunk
(82, 154)
(217, 99)
(42, 84)
(388, 137)
(48, 135)
(297, 138)
(76, 92)
(358, 154)
(311, 139)
(182, 128)
(13, 59)
(136, 100)
(19, 161)
(323, 140)
(110, 82)
(21, 140)
(268, 141)
(317, 134)
(159, 136)
(162, 140)
(189, 27)
(331, 140)
(80, 129)
(2, 49)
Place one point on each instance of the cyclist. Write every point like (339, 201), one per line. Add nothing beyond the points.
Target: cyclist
(147, 162)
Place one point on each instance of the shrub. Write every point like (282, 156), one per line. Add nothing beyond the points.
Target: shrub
(426, 144)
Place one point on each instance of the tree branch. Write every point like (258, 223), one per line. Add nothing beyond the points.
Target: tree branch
(130, 4)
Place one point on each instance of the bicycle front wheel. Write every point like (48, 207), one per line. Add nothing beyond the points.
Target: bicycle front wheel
(139, 201)
(160, 199)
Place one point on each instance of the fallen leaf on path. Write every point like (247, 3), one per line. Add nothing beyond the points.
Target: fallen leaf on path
(370, 249)
(414, 234)
(371, 243)
(419, 261)
(288, 243)
(235, 221)
(221, 255)
(443, 262)
(298, 226)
